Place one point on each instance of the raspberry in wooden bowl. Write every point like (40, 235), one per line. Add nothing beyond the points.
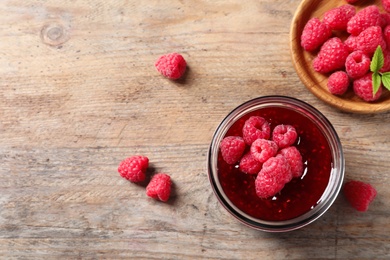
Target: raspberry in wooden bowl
(276, 185)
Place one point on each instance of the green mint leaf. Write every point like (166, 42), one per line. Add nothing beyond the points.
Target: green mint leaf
(377, 60)
(386, 80)
(376, 82)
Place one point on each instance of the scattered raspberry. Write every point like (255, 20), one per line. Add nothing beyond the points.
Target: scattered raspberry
(351, 43)
(337, 18)
(363, 88)
(366, 17)
(294, 159)
(314, 34)
(359, 194)
(134, 168)
(369, 39)
(386, 5)
(274, 174)
(159, 187)
(332, 56)
(357, 64)
(171, 65)
(254, 128)
(338, 82)
(232, 148)
(284, 135)
(249, 164)
(263, 149)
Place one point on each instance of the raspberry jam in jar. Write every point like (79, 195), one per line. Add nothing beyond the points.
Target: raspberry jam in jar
(302, 200)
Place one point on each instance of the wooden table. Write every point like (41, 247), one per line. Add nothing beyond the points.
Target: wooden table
(79, 93)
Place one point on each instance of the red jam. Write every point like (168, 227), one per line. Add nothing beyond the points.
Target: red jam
(298, 196)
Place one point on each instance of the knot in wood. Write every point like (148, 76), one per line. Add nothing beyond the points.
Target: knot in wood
(54, 34)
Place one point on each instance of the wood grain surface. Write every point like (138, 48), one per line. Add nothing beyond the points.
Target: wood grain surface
(79, 93)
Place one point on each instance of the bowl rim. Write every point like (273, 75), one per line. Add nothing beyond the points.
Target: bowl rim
(326, 200)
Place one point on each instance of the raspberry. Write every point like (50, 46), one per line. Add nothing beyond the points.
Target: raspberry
(314, 34)
(369, 39)
(386, 64)
(357, 64)
(232, 148)
(331, 57)
(263, 149)
(351, 43)
(249, 164)
(171, 65)
(351, 1)
(254, 128)
(363, 88)
(274, 174)
(385, 17)
(287, 177)
(159, 187)
(294, 159)
(134, 168)
(386, 35)
(337, 18)
(284, 135)
(359, 194)
(338, 83)
(267, 185)
(366, 17)
(386, 5)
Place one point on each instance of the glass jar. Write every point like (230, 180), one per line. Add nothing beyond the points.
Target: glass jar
(318, 187)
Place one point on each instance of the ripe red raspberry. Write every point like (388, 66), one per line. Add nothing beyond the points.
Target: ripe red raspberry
(386, 35)
(294, 159)
(351, 43)
(369, 39)
(357, 64)
(359, 194)
(386, 64)
(331, 57)
(386, 5)
(351, 1)
(366, 17)
(159, 187)
(171, 65)
(284, 135)
(314, 34)
(338, 82)
(274, 174)
(385, 17)
(263, 149)
(249, 164)
(338, 17)
(254, 128)
(232, 148)
(134, 168)
(363, 88)
(267, 186)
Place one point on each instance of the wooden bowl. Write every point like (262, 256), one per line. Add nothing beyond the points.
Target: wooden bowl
(317, 82)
